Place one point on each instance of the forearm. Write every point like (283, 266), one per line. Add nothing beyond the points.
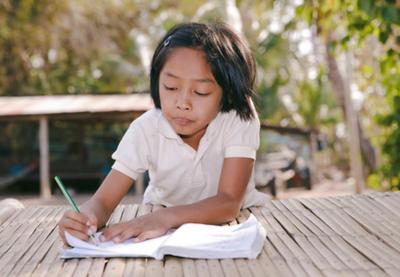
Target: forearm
(95, 206)
(214, 210)
(107, 197)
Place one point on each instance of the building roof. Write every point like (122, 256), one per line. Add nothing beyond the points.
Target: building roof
(34, 106)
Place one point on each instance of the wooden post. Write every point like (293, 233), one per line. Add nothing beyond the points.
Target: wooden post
(45, 190)
(139, 185)
(352, 131)
(313, 165)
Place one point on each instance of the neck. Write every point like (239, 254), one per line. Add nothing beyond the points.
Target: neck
(194, 139)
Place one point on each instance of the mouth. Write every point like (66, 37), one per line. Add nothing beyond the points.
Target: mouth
(182, 121)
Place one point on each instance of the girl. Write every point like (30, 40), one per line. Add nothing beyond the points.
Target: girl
(198, 143)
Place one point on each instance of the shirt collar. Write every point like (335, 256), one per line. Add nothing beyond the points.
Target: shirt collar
(165, 128)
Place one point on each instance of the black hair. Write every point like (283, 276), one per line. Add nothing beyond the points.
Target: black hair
(228, 55)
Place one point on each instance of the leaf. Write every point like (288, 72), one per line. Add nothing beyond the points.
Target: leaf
(390, 14)
(383, 36)
(366, 5)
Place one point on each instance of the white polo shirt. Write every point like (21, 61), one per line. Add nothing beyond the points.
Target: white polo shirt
(178, 173)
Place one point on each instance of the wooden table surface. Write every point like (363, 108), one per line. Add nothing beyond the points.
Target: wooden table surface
(346, 236)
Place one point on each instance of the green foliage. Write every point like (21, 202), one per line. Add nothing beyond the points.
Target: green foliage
(390, 68)
(310, 96)
(350, 23)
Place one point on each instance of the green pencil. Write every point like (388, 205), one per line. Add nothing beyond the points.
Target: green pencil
(71, 201)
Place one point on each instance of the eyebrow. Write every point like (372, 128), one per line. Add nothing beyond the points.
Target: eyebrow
(202, 80)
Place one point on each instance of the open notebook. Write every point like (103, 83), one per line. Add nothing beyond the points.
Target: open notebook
(191, 240)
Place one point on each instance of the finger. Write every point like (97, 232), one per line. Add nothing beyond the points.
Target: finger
(62, 235)
(78, 235)
(80, 217)
(92, 222)
(149, 235)
(74, 225)
(141, 237)
(128, 233)
(111, 232)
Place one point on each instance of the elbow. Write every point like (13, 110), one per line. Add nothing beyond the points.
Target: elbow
(231, 208)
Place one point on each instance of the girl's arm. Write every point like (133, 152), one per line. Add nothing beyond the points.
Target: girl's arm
(222, 207)
(96, 211)
(113, 188)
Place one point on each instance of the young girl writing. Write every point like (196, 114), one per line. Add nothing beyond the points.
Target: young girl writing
(199, 142)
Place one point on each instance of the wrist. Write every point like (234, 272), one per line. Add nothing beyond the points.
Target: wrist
(170, 217)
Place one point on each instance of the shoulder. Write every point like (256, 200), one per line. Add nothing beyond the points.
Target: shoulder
(148, 121)
(231, 120)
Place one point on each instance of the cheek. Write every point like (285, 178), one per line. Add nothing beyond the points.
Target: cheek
(163, 99)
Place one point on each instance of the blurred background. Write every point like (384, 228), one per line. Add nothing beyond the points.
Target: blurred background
(74, 74)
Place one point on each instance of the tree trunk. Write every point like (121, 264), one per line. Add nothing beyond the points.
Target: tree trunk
(338, 85)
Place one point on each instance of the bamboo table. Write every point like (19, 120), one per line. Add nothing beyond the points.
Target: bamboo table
(346, 236)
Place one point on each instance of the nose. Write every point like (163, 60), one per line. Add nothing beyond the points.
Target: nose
(183, 102)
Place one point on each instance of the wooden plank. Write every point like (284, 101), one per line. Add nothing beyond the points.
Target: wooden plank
(370, 215)
(16, 246)
(173, 267)
(271, 254)
(263, 265)
(129, 212)
(51, 264)
(323, 217)
(97, 267)
(361, 239)
(115, 217)
(348, 229)
(349, 256)
(289, 214)
(189, 268)
(115, 266)
(370, 251)
(327, 212)
(388, 204)
(11, 220)
(317, 226)
(137, 266)
(82, 268)
(273, 230)
(215, 268)
(202, 268)
(68, 268)
(279, 262)
(380, 214)
(41, 234)
(260, 266)
(37, 260)
(14, 229)
(154, 267)
(296, 253)
(373, 224)
(51, 261)
(320, 254)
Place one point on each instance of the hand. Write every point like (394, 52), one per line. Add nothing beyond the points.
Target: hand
(80, 225)
(141, 228)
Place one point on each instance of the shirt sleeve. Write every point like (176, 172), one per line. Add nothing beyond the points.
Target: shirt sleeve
(131, 156)
(242, 138)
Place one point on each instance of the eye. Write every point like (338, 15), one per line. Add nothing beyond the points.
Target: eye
(201, 93)
(170, 88)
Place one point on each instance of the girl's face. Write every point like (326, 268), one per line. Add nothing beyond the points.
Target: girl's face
(189, 95)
